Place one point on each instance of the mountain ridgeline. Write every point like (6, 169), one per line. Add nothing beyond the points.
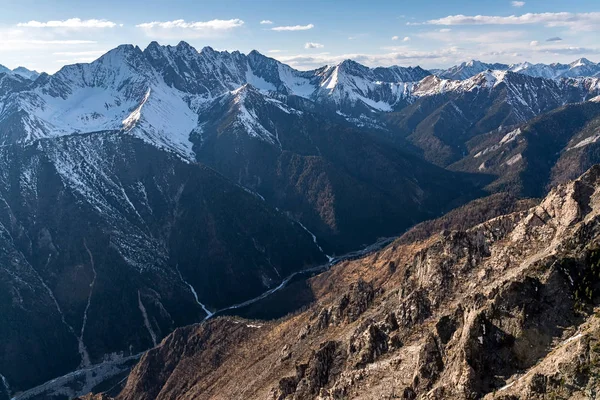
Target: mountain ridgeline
(149, 189)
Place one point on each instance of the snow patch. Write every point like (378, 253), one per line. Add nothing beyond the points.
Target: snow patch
(5, 384)
(258, 82)
(297, 85)
(85, 358)
(131, 121)
(146, 320)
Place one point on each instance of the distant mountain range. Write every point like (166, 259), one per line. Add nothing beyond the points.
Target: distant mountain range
(150, 188)
(579, 68)
(21, 71)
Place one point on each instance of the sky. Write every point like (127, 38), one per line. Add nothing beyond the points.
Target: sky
(45, 35)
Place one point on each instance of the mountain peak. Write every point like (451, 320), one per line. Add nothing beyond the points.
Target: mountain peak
(352, 67)
(581, 62)
(256, 53)
(207, 50)
(153, 45)
(185, 46)
(349, 63)
(125, 53)
(473, 63)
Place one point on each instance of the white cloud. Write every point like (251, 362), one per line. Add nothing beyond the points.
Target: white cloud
(517, 4)
(575, 21)
(395, 38)
(80, 53)
(447, 55)
(444, 30)
(215, 24)
(312, 45)
(73, 23)
(406, 39)
(534, 43)
(266, 22)
(293, 28)
(180, 28)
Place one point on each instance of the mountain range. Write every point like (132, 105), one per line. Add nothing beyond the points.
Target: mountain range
(20, 71)
(151, 189)
(578, 68)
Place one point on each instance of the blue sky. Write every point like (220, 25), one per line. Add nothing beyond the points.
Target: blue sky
(45, 35)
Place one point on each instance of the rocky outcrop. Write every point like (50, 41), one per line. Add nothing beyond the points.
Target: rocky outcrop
(502, 310)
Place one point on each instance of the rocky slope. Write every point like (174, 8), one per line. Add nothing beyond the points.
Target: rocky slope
(528, 159)
(501, 310)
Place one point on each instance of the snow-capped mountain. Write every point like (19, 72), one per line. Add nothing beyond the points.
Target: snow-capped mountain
(160, 94)
(21, 71)
(350, 87)
(578, 68)
(445, 114)
(26, 73)
(468, 69)
(143, 92)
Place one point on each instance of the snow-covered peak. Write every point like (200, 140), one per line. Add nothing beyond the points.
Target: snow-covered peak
(353, 88)
(21, 71)
(472, 63)
(12, 83)
(249, 111)
(207, 50)
(581, 62)
(468, 69)
(433, 85)
(26, 73)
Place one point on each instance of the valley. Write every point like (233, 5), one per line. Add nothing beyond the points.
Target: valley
(155, 201)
